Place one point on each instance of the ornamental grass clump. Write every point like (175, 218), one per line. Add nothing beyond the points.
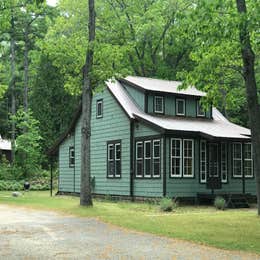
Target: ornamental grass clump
(167, 204)
(220, 203)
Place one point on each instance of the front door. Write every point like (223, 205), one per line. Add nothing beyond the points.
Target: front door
(213, 178)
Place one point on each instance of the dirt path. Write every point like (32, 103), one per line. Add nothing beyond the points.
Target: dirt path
(31, 234)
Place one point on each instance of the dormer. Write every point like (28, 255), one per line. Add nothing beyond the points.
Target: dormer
(163, 97)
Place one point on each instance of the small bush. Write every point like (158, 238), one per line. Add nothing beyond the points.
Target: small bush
(167, 204)
(220, 203)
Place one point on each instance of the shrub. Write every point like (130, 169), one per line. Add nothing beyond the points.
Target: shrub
(220, 203)
(167, 204)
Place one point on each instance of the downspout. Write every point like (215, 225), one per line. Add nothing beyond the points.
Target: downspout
(132, 159)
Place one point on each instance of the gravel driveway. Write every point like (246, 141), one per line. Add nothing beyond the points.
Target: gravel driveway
(32, 234)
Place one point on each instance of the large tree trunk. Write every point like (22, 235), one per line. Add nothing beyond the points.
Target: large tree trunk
(85, 191)
(248, 57)
(12, 86)
(26, 69)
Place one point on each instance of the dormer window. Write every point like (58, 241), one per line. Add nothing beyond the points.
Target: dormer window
(200, 110)
(180, 107)
(158, 104)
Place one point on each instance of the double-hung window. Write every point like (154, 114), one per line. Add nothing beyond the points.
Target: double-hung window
(156, 158)
(188, 147)
(99, 108)
(224, 170)
(200, 110)
(147, 158)
(248, 160)
(114, 159)
(71, 157)
(180, 107)
(158, 104)
(139, 159)
(203, 161)
(176, 157)
(237, 160)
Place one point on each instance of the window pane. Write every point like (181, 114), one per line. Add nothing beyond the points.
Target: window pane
(188, 158)
(156, 148)
(180, 106)
(111, 168)
(148, 149)
(203, 161)
(139, 168)
(148, 167)
(139, 151)
(118, 151)
(118, 168)
(111, 152)
(158, 104)
(156, 167)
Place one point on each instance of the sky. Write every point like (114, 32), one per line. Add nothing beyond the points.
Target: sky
(52, 2)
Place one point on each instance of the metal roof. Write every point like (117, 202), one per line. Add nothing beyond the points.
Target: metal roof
(5, 144)
(218, 127)
(165, 86)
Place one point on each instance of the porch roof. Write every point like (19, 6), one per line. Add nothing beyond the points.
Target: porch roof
(218, 127)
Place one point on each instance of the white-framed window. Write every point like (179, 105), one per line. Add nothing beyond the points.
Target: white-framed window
(147, 158)
(176, 157)
(180, 107)
(71, 157)
(224, 163)
(139, 159)
(203, 161)
(188, 158)
(158, 104)
(200, 111)
(156, 158)
(237, 160)
(114, 159)
(99, 108)
(248, 160)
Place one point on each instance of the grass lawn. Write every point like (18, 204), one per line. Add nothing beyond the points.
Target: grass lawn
(230, 229)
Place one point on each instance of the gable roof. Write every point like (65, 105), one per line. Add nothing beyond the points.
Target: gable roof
(218, 127)
(5, 144)
(160, 85)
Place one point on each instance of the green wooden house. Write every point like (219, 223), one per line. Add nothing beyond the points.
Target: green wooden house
(150, 139)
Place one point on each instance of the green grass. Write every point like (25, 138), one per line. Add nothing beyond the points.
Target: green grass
(230, 229)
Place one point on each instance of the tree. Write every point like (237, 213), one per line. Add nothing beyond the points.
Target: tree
(87, 88)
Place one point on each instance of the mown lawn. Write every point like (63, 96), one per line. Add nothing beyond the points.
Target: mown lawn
(230, 229)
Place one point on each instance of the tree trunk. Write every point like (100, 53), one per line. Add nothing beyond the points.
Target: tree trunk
(85, 191)
(13, 109)
(26, 69)
(248, 57)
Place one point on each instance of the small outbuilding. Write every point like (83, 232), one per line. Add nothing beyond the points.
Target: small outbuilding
(5, 149)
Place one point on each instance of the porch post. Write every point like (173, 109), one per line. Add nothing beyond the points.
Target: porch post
(243, 170)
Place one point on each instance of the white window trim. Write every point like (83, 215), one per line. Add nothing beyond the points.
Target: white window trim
(226, 161)
(154, 141)
(180, 157)
(117, 159)
(203, 161)
(198, 109)
(101, 103)
(162, 99)
(109, 159)
(147, 158)
(185, 175)
(71, 149)
(136, 159)
(184, 106)
(251, 160)
(237, 159)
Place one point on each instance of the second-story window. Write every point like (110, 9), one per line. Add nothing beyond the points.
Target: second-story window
(158, 104)
(180, 107)
(200, 110)
(99, 108)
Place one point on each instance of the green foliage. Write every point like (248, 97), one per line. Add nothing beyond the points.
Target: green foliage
(28, 150)
(167, 204)
(220, 203)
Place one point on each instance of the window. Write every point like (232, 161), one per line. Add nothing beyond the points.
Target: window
(99, 108)
(147, 159)
(114, 160)
(203, 161)
(224, 162)
(248, 161)
(200, 110)
(158, 104)
(237, 160)
(156, 158)
(139, 159)
(71, 157)
(176, 157)
(188, 158)
(180, 107)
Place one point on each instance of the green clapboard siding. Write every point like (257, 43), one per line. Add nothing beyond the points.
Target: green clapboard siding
(136, 95)
(77, 155)
(66, 174)
(114, 125)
